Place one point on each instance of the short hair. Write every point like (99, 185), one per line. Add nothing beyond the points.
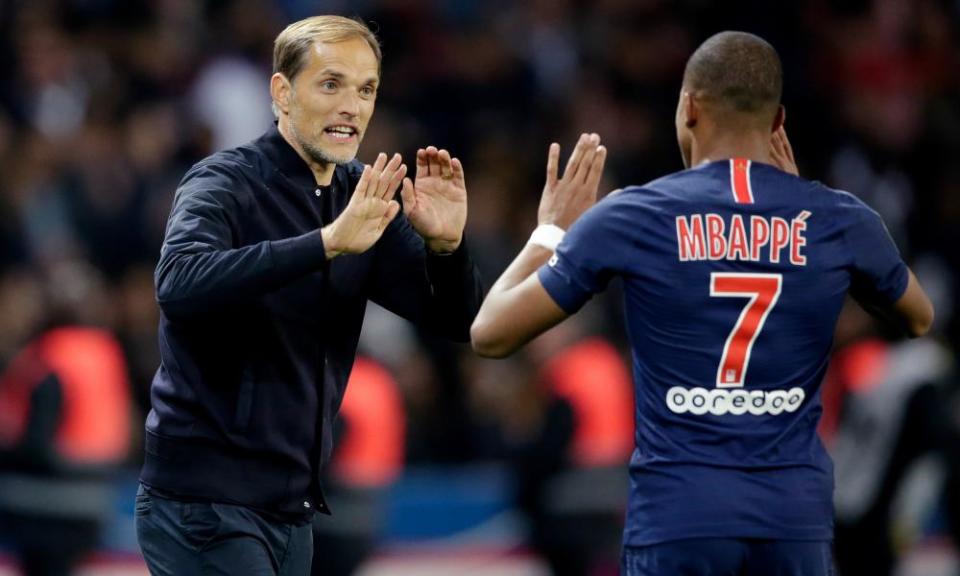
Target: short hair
(292, 45)
(738, 70)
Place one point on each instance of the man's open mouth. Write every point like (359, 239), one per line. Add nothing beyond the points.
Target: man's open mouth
(341, 132)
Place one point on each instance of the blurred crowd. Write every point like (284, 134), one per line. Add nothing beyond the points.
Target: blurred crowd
(104, 104)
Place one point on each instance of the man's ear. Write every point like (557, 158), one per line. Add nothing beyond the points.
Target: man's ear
(779, 118)
(691, 109)
(281, 92)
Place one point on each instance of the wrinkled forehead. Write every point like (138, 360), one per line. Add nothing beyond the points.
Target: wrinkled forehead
(352, 57)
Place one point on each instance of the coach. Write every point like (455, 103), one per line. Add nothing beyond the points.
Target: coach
(272, 250)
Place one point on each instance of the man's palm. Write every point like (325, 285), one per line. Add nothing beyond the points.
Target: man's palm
(364, 222)
(436, 204)
(369, 211)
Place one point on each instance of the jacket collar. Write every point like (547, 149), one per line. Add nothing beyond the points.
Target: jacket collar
(286, 159)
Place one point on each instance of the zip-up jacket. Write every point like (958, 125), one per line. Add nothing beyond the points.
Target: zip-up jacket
(258, 331)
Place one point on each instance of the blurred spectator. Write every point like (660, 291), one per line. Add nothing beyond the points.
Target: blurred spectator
(950, 407)
(882, 415)
(370, 442)
(565, 417)
(578, 509)
(64, 427)
(229, 95)
(21, 310)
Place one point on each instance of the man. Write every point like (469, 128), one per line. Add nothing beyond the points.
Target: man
(271, 252)
(734, 273)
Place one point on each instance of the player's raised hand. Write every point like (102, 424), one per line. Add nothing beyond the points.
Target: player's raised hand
(370, 209)
(565, 199)
(782, 153)
(436, 203)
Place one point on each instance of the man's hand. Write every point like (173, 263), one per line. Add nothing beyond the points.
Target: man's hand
(370, 209)
(782, 153)
(436, 204)
(564, 200)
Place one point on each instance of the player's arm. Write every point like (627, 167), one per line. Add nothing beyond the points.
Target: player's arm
(518, 308)
(882, 283)
(914, 308)
(913, 311)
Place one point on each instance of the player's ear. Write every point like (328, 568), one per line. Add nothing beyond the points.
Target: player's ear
(691, 109)
(779, 118)
(280, 92)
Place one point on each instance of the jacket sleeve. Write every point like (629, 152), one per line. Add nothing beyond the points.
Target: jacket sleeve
(441, 293)
(201, 264)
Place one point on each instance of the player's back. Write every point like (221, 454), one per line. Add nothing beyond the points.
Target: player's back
(734, 276)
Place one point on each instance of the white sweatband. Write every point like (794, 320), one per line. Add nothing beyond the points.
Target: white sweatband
(547, 236)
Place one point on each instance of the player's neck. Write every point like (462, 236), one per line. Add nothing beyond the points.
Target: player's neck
(322, 171)
(752, 146)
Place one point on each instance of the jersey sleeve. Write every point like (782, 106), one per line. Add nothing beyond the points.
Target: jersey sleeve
(590, 254)
(879, 273)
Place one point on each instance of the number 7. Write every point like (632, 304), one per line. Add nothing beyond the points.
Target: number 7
(763, 290)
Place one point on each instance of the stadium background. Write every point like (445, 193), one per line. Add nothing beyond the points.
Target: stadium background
(105, 103)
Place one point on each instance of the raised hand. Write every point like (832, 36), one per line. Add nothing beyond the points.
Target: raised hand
(565, 199)
(436, 203)
(782, 153)
(370, 209)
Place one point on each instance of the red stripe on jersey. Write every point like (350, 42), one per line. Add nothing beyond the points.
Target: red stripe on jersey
(740, 180)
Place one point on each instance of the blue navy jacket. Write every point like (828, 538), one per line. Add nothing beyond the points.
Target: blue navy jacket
(258, 331)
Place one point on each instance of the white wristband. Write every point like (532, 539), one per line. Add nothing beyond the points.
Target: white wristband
(547, 236)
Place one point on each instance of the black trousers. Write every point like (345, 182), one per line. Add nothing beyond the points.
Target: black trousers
(180, 538)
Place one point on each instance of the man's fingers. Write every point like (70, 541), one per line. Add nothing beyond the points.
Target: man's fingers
(433, 164)
(553, 165)
(781, 153)
(446, 168)
(373, 182)
(781, 150)
(776, 147)
(387, 181)
(392, 209)
(596, 170)
(586, 161)
(788, 149)
(363, 184)
(779, 145)
(458, 175)
(423, 167)
(409, 196)
(395, 181)
(575, 156)
(379, 164)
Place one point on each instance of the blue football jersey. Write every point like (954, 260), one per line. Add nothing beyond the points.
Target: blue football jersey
(734, 274)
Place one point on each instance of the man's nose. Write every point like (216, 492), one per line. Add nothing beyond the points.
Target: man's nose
(350, 104)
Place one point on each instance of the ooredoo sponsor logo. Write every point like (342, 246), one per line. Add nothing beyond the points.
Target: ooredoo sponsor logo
(719, 401)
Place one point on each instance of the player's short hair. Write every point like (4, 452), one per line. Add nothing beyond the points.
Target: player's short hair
(739, 71)
(292, 45)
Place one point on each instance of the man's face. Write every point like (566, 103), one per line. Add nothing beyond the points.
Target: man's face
(332, 99)
(684, 136)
